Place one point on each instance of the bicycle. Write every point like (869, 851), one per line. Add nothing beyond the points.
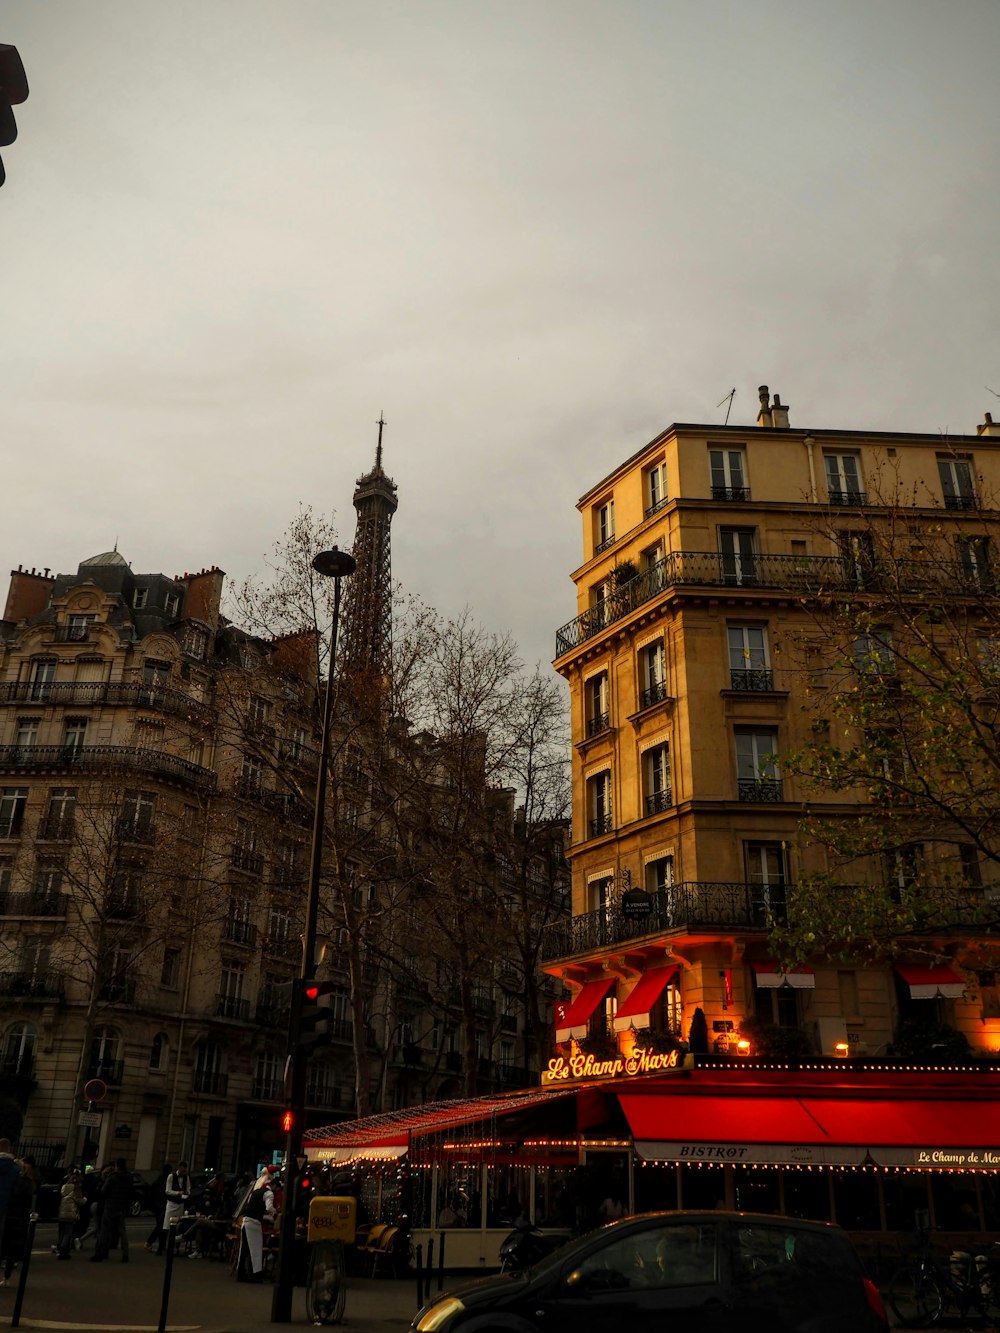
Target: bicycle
(326, 1283)
(925, 1289)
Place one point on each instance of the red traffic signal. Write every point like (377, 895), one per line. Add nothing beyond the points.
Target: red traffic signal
(287, 1121)
(315, 1012)
(13, 90)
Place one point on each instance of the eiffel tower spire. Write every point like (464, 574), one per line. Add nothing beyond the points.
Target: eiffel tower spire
(367, 633)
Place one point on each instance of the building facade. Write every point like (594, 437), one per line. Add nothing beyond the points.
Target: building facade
(694, 662)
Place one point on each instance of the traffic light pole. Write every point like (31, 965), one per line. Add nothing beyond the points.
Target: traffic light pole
(336, 565)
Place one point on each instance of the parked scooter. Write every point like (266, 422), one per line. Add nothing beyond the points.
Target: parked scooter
(526, 1245)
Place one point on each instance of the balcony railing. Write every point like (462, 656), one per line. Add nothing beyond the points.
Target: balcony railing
(36, 985)
(658, 801)
(738, 494)
(237, 931)
(132, 759)
(267, 1090)
(650, 510)
(751, 678)
(117, 990)
(605, 543)
(763, 790)
(602, 824)
(653, 694)
(960, 502)
(83, 693)
(803, 574)
(210, 1083)
(598, 723)
(847, 499)
(32, 904)
(244, 858)
(323, 1095)
(232, 1006)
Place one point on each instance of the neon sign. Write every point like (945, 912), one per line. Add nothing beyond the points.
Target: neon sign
(640, 1061)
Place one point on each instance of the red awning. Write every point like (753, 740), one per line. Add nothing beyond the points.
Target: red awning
(573, 1021)
(665, 1123)
(635, 1009)
(396, 1129)
(926, 983)
(770, 977)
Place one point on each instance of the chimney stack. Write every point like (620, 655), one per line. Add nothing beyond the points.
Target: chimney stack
(779, 413)
(773, 416)
(989, 426)
(764, 415)
(28, 594)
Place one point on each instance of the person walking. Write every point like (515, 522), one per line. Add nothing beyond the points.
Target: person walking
(117, 1195)
(260, 1205)
(15, 1232)
(71, 1200)
(9, 1172)
(178, 1188)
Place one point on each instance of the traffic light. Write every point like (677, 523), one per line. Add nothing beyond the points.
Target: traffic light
(13, 90)
(315, 1013)
(287, 1121)
(302, 1191)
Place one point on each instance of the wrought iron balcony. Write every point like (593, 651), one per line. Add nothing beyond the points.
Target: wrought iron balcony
(960, 502)
(20, 1064)
(122, 907)
(739, 494)
(602, 824)
(80, 694)
(101, 758)
(232, 1006)
(108, 1071)
(650, 510)
(237, 931)
(847, 499)
(267, 1090)
(764, 790)
(34, 985)
(653, 694)
(605, 543)
(598, 723)
(658, 801)
(210, 1083)
(117, 990)
(244, 858)
(324, 1095)
(809, 575)
(70, 633)
(32, 904)
(751, 678)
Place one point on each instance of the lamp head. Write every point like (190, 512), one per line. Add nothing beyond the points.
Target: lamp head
(334, 564)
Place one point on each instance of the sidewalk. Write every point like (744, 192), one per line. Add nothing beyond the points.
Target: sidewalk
(91, 1297)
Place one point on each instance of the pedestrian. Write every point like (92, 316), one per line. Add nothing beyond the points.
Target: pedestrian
(9, 1172)
(71, 1200)
(90, 1212)
(178, 1190)
(158, 1203)
(117, 1195)
(260, 1205)
(15, 1232)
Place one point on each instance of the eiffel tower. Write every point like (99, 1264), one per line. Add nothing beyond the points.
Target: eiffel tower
(366, 654)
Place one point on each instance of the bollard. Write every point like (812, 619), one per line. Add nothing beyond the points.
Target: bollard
(430, 1267)
(22, 1280)
(440, 1267)
(420, 1275)
(168, 1268)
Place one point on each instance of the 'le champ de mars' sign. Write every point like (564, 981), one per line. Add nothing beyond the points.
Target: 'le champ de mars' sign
(639, 1061)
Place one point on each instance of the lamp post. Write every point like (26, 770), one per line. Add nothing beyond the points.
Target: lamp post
(337, 565)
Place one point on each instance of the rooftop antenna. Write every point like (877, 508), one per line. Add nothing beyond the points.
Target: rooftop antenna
(728, 398)
(378, 451)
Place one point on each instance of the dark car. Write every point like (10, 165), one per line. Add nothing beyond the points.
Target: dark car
(685, 1272)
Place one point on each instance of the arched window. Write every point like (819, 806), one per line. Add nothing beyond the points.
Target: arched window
(19, 1049)
(105, 1055)
(159, 1052)
(210, 1069)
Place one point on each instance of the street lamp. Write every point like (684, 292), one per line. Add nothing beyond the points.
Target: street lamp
(337, 565)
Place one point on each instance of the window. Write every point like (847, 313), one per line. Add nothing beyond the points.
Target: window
(48, 886)
(728, 469)
(748, 663)
(599, 805)
(972, 870)
(125, 895)
(766, 871)
(78, 627)
(139, 596)
(194, 642)
(19, 1050)
(737, 547)
(12, 803)
(138, 812)
(33, 961)
(658, 1258)
(155, 677)
(779, 1005)
(757, 777)
(297, 743)
(957, 483)
(598, 715)
(42, 674)
(209, 1069)
(258, 713)
(656, 779)
(6, 877)
(105, 1056)
(159, 1053)
(171, 604)
(974, 561)
(26, 737)
(653, 671)
(170, 969)
(659, 874)
(843, 479)
(656, 488)
(61, 813)
(279, 926)
(873, 653)
(75, 733)
(268, 1076)
(904, 868)
(287, 862)
(857, 558)
(652, 556)
(604, 525)
(599, 893)
(251, 776)
(230, 1001)
(988, 649)
(245, 854)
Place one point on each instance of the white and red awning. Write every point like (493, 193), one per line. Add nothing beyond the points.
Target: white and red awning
(927, 983)
(634, 1011)
(572, 1021)
(769, 976)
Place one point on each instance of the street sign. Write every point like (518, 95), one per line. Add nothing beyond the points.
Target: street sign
(95, 1090)
(89, 1119)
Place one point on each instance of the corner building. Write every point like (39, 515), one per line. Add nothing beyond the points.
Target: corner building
(699, 554)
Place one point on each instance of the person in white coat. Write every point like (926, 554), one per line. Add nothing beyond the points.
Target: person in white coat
(259, 1205)
(178, 1188)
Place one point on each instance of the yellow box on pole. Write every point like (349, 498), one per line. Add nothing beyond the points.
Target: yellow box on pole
(332, 1217)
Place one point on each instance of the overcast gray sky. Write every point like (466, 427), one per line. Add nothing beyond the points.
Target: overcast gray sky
(533, 234)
